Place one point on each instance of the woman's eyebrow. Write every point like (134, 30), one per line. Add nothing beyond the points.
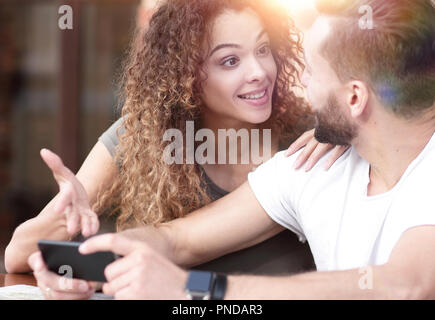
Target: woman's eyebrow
(233, 45)
(225, 45)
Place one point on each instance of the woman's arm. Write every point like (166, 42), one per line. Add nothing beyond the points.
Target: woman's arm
(77, 194)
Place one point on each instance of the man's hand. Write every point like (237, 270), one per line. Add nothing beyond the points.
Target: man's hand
(72, 199)
(141, 273)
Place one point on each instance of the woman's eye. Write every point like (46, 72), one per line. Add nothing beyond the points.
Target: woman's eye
(264, 50)
(230, 62)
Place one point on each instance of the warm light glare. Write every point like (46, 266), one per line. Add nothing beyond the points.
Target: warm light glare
(297, 5)
(303, 12)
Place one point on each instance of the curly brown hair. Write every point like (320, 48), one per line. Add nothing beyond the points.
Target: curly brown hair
(162, 90)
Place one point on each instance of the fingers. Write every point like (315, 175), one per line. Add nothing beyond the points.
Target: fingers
(336, 153)
(95, 223)
(65, 200)
(89, 223)
(123, 287)
(86, 224)
(65, 197)
(54, 162)
(305, 154)
(108, 242)
(78, 214)
(72, 220)
(120, 279)
(118, 273)
(63, 288)
(72, 199)
(314, 151)
(54, 286)
(124, 265)
(299, 143)
(125, 294)
(65, 295)
(86, 220)
(315, 156)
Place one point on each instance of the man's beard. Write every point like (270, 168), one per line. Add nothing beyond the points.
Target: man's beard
(332, 125)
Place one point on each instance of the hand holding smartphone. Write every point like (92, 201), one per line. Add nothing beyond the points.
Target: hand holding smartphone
(64, 258)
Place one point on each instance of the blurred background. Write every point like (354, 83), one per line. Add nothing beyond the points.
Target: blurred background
(58, 90)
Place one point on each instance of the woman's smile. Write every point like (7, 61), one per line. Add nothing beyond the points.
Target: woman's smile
(257, 98)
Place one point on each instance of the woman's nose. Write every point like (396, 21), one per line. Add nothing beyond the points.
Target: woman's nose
(255, 71)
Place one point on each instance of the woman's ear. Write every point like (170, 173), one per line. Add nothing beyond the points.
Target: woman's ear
(357, 98)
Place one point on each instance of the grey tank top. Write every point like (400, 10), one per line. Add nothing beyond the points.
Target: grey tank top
(281, 254)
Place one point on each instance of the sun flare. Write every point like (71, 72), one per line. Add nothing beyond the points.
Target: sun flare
(296, 5)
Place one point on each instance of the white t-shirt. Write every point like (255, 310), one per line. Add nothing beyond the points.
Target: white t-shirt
(344, 227)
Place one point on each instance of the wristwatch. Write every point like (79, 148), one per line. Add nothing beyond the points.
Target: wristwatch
(205, 285)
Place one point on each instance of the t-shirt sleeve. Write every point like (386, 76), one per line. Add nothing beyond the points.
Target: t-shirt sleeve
(414, 205)
(110, 137)
(272, 186)
(417, 207)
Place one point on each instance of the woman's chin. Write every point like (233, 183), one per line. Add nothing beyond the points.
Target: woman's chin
(259, 117)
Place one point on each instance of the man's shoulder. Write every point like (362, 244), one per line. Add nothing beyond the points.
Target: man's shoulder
(349, 157)
(280, 175)
(420, 180)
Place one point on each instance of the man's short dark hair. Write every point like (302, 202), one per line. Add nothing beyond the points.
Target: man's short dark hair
(396, 57)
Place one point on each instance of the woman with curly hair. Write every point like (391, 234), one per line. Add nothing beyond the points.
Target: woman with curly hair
(219, 64)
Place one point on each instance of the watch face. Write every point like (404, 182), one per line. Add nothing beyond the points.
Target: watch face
(199, 281)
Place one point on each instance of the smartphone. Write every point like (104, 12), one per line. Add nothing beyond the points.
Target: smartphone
(64, 258)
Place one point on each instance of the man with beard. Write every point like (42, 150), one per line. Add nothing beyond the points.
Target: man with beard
(369, 220)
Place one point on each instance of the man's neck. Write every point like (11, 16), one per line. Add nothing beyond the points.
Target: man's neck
(390, 144)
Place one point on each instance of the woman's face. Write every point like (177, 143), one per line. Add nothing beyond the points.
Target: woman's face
(240, 69)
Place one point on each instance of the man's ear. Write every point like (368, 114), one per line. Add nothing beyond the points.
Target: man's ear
(357, 97)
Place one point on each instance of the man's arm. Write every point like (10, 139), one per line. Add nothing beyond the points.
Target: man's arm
(235, 222)
(142, 273)
(409, 274)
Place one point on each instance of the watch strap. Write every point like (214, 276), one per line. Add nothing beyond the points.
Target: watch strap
(219, 287)
(216, 285)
